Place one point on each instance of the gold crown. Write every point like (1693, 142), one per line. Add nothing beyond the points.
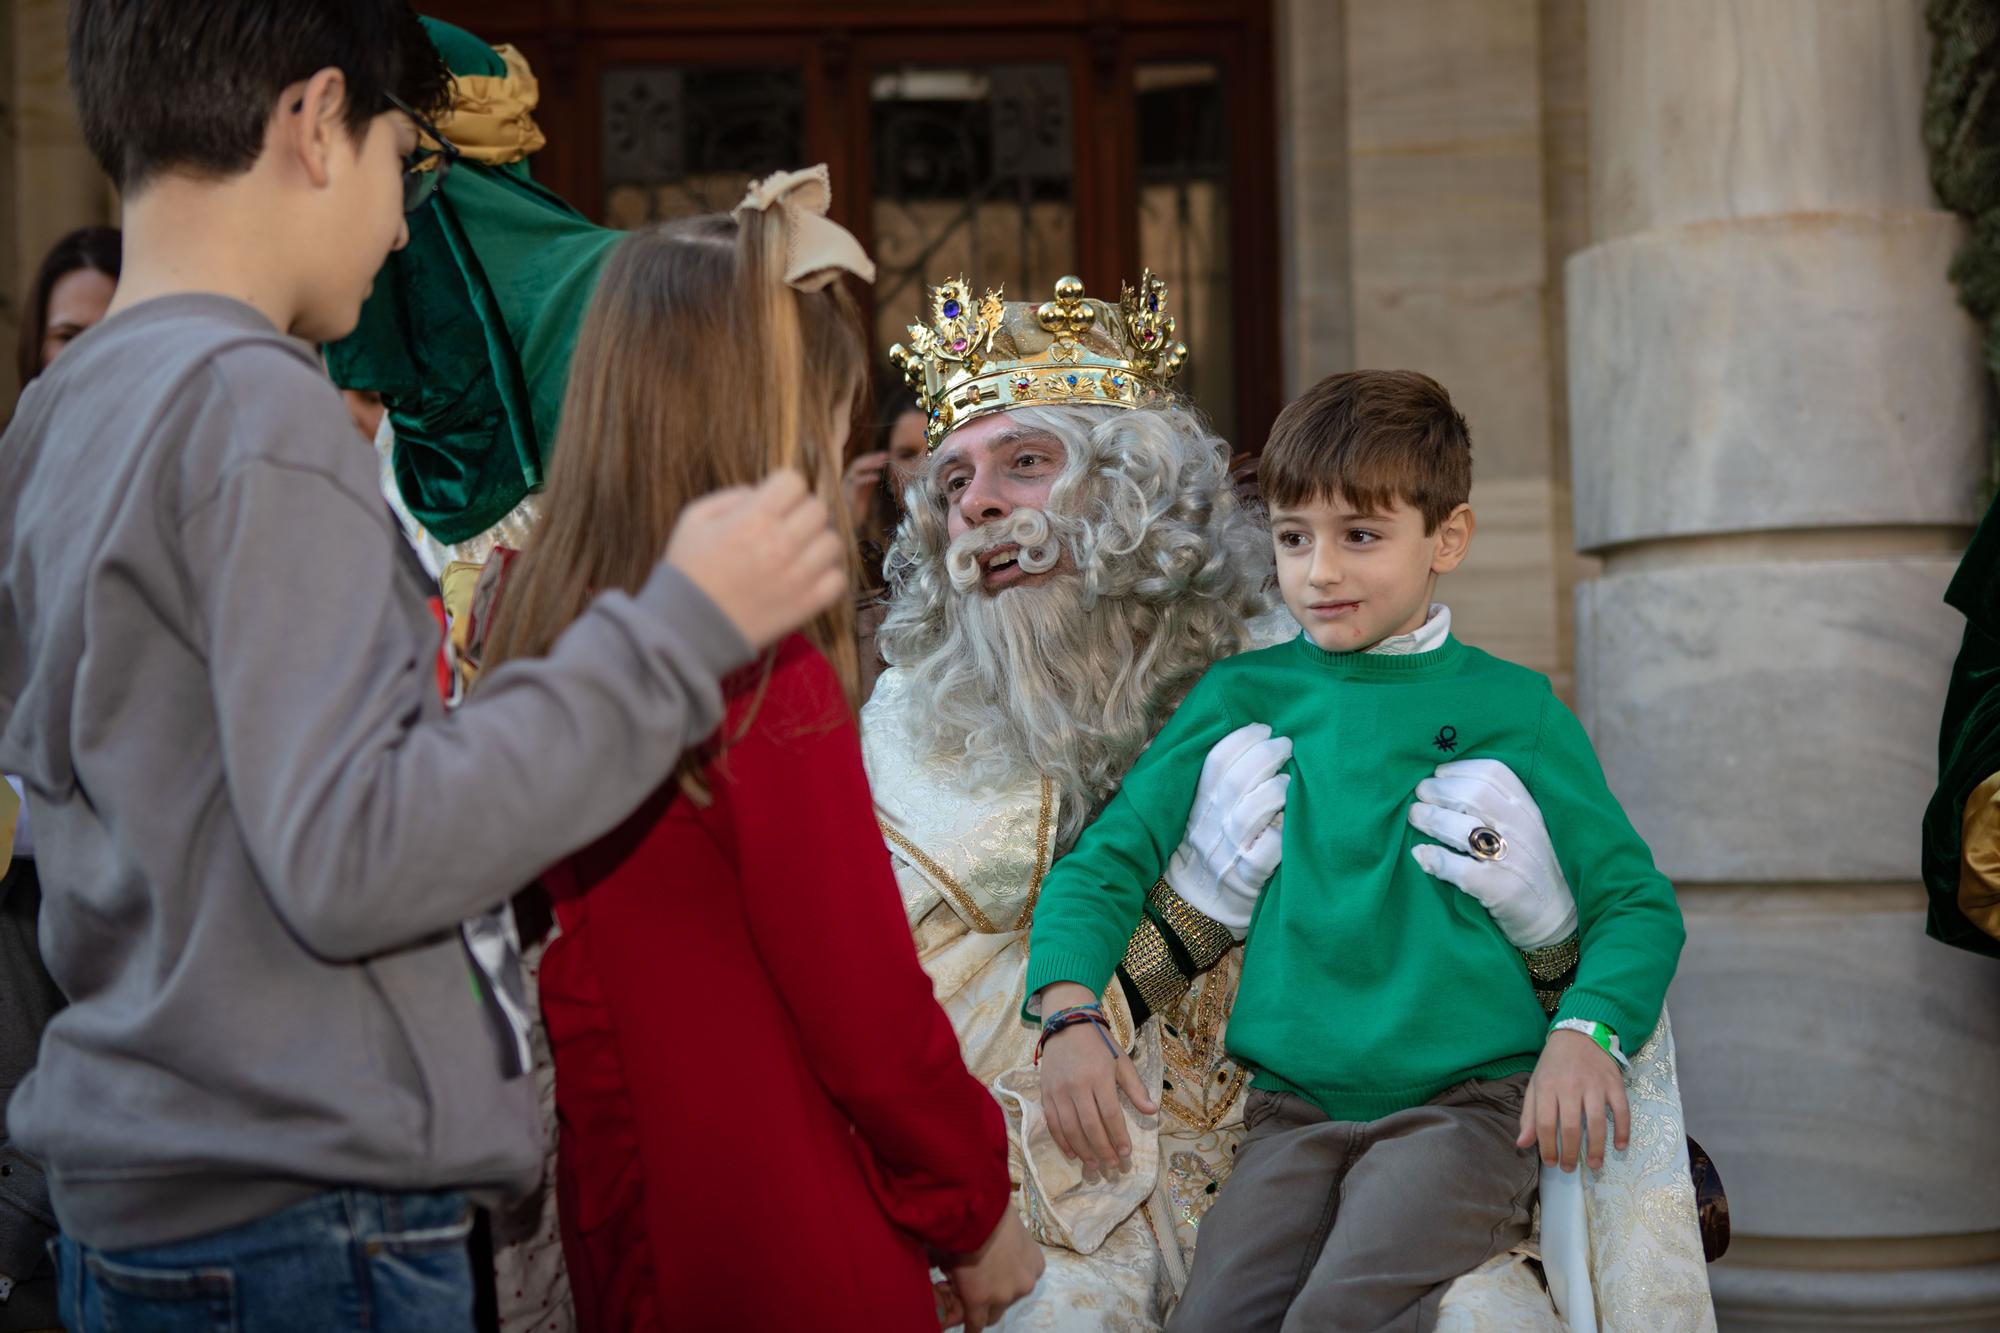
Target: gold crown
(975, 359)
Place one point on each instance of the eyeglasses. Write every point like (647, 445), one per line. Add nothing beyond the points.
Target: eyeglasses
(424, 172)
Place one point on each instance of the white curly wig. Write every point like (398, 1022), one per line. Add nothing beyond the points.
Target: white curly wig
(1071, 679)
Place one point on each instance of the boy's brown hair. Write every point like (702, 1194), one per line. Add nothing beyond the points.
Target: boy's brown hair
(1372, 437)
(191, 85)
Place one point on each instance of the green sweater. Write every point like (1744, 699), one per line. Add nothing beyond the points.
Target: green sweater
(1369, 986)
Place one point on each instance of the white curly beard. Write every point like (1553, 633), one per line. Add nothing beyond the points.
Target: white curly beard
(1039, 681)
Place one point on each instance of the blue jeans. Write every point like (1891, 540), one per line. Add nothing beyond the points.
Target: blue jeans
(349, 1259)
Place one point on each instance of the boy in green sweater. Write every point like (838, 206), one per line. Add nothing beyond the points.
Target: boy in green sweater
(1402, 1060)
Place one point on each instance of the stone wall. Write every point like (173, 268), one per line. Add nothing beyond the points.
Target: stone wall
(1777, 412)
(1419, 198)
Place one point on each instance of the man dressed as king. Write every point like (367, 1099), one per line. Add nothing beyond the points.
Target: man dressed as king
(1073, 557)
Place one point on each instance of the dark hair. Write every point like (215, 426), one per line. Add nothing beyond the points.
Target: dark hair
(892, 398)
(94, 248)
(1372, 437)
(192, 84)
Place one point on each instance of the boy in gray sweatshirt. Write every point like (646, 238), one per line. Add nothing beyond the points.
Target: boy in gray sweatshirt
(258, 831)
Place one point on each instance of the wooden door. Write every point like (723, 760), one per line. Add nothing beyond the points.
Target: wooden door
(1011, 144)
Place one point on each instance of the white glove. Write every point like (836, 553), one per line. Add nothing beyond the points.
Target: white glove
(1524, 890)
(1235, 833)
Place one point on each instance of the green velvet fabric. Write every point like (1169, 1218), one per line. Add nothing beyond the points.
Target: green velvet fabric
(469, 332)
(1962, 131)
(1969, 737)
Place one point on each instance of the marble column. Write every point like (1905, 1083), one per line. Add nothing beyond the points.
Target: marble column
(1317, 295)
(1450, 273)
(1777, 424)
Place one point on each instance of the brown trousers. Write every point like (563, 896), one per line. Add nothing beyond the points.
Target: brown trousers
(1347, 1225)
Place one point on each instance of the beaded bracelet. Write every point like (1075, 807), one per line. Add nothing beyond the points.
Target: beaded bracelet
(1092, 1014)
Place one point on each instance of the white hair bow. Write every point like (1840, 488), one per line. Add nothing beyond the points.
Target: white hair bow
(817, 249)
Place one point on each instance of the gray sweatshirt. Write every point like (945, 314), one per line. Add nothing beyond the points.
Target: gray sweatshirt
(256, 827)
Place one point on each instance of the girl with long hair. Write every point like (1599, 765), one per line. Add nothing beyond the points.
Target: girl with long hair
(764, 1120)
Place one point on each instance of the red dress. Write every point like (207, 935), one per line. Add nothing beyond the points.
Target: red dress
(765, 1122)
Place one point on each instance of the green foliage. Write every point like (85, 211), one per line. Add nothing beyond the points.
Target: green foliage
(1962, 131)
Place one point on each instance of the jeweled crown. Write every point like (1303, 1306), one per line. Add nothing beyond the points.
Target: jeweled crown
(973, 359)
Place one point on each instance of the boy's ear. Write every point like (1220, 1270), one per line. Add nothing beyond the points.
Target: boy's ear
(1454, 537)
(311, 122)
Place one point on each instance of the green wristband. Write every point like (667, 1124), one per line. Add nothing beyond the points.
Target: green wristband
(1600, 1033)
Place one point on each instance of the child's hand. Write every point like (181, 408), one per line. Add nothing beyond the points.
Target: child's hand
(1573, 1083)
(768, 558)
(1080, 1083)
(1004, 1270)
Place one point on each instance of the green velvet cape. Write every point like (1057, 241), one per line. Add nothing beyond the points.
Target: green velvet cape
(1969, 737)
(470, 328)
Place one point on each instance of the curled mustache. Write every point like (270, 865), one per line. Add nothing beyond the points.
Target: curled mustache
(1029, 529)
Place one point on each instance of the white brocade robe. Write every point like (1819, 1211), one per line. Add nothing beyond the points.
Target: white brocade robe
(969, 869)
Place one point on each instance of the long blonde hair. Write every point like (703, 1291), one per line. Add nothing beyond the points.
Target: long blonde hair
(696, 368)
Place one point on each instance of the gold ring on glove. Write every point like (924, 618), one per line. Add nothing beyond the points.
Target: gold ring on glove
(1486, 844)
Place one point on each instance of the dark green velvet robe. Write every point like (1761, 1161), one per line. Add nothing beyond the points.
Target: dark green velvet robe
(470, 328)
(1969, 738)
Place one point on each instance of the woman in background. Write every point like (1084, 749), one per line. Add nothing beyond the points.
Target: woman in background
(70, 294)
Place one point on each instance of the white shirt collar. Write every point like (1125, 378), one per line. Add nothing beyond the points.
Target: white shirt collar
(1426, 637)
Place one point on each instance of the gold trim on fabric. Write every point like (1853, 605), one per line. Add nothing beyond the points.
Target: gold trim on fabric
(1205, 939)
(963, 900)
(1191, 1043)
(1150, 965)
(1232, 1088)
(1552, 960)
(1122, 1031)
(1044, 825)
(1979, 858)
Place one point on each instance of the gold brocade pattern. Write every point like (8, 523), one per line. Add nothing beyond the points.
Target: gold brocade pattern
(963, 900)
(1552, 960)
(1150, 965)
(1205, 940)
(1192, 1183)
(1646, 1261)
(985, 855)
(1206, 1086)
